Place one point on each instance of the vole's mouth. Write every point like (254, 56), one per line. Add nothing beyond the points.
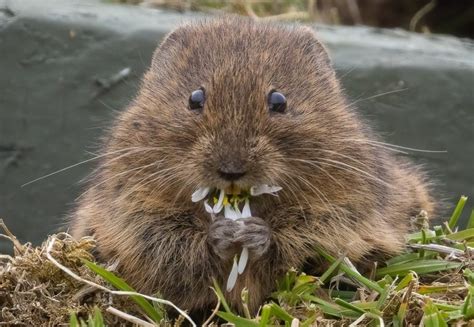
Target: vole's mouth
(236, 204)
(234, 199)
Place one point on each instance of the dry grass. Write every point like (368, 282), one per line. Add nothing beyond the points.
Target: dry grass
(35, 292)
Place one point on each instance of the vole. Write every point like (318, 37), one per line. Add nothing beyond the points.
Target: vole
(231, 103)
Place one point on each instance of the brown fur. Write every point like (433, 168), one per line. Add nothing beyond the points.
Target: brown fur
(340, 191)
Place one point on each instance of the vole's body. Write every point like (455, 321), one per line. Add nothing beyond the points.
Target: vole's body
(341, 189)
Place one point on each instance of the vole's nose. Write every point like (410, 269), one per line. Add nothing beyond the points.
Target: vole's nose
(233, 166)
(231, 175)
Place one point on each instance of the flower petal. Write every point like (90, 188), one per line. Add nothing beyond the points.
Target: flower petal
(232, 279)
(246, 213)
(200, 194)
(208, 207)
(231, 213)
(244, 257)
(264, 189)
(218, 206)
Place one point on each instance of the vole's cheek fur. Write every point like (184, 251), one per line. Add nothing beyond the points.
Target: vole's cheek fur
(340, 189)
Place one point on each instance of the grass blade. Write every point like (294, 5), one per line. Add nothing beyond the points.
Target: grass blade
(73, 322)
(453, 221)
(221, 296)
(120, 284)
(462, 235)
(98, 318)
(309, 322)
(330, 308)
(468, 307)
(361, 279)
(432, 317)
(281, 313)
(330, 270)
(349, 306)
(404, 282)
(418, 236)
(265, 315)
(236, 320)
(383, 297)
(470, 222)
(402, 258)
(418, 266)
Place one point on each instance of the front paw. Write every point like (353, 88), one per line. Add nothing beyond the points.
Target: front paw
(221, 237)
(254, 234)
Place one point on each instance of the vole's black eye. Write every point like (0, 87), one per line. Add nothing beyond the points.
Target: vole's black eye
(197, 99)
(276, 102)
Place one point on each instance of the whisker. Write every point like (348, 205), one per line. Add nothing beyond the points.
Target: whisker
(69, 167)
(402, 147)
(345, 156)
(388, 146)
(329, 206)
(335, 153)
(353, 169)
(146, 181)
(181, 190)
(130, 149)
(289, 185)
(377, 96)
(294, 195)
(368, 142)
(140, 168)
(310, 162)
(347, 72)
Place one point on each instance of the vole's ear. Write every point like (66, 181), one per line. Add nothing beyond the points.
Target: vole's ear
(313, 45)
(177, 36)
(172, 43)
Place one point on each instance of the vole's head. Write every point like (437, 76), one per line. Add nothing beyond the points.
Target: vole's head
(231, 101)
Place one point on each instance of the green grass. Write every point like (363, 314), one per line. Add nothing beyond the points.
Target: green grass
(94, 320)
(426, 284)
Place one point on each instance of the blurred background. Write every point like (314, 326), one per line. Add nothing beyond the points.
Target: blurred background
(68, 66)
(426, 16)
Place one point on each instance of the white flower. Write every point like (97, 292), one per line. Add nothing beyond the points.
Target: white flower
(263, 189)
(208, 207)
(200, 194)
(218, 206)
(230, 204)
(244, 257)
(246, 210)
(231, 212)
(232, 279)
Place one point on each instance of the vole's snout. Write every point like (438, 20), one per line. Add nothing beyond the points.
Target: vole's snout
(231, 175)
(231, 170)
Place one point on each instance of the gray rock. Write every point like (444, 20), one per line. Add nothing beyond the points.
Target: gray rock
(58, 61)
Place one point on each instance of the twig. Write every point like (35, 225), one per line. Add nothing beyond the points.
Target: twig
(408, 293)
(358, 321)
(213, 314)
(11, 237)
(440, 249)
(6, 256)
(420, 13)
(245, 301)
(105, 289)
(85, 290)
(448, 229)
(106, 84)
(351, 265)
(128, 317)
